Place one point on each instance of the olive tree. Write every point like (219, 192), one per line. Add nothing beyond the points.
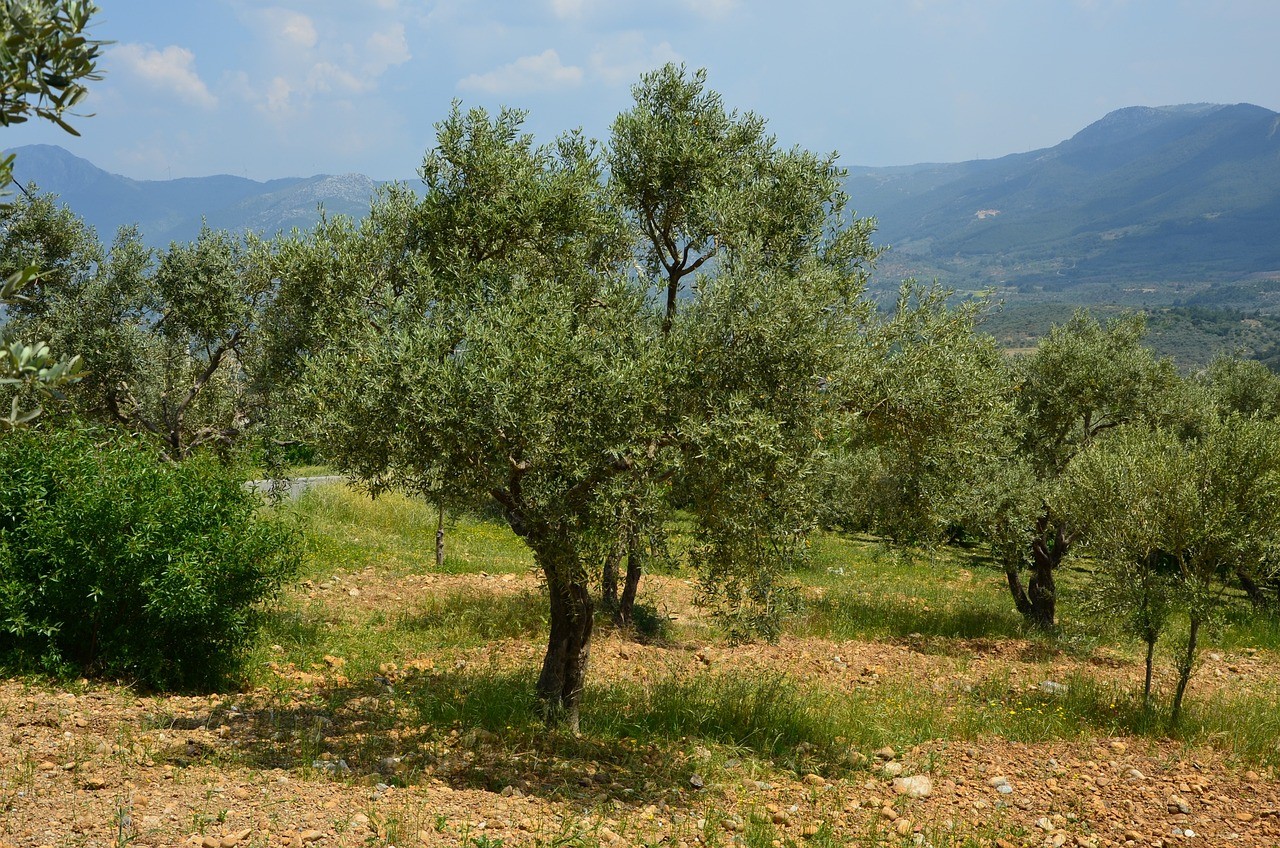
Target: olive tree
(703, 189)
(45, 59)
(507, 348)
(1162, 513)
(929, 409)
(1084, 380)
(169, 338)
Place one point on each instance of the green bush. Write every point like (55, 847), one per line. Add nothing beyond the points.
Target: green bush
(115, 562)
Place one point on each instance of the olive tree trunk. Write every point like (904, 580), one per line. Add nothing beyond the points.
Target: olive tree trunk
(1186, 662)
(564, 668)
(623, 616)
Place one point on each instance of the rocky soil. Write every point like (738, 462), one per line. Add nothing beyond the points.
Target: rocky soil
(317, 758)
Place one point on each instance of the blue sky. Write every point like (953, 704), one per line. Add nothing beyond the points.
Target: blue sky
(298, 87)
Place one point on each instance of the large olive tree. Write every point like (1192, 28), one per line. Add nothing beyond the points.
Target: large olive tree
(509, 348)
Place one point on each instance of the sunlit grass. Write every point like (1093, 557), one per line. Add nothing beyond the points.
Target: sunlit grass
(397, 534)
(855, 588)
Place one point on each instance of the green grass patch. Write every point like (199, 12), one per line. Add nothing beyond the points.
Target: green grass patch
(803, 728)
(306, 633)
(397, 534)
(871, 592)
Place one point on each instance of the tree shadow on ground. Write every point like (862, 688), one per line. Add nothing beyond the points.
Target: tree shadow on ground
(474, 730)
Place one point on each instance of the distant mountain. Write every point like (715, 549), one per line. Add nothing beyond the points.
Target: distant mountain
(1167, 201)
(1176, 205)
(172, 210)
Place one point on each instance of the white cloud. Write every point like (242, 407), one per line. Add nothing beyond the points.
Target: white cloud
(312, 60)
(624, 57)
(568, 8)
(386, 48)
(542, 72)
(171, 69)
(711, 8)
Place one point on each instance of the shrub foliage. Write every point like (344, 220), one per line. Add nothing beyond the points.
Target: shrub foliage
(113, 561)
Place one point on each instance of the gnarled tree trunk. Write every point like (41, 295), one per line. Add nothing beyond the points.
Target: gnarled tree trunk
(564, 668)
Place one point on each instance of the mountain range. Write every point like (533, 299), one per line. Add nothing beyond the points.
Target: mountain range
(1170, 201)
(174, 210)
(1146, 205)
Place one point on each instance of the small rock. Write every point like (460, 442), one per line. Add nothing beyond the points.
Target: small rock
(233, 839)
(210, 842)
(93, 784)
(309, 836)
(1244, 817)
(1177, 804)
(1051, 687)
(903, 826)
(814, 780)
(1134, 774)
(916, 786)
(1045, 824)
(886, 753)
(1086, 842)
(696, 781)
(1058, 839)
(891, 769)
(855, 759)
(1118, 747)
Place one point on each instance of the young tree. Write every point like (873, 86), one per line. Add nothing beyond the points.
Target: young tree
(1131, 497)
(1157, 508)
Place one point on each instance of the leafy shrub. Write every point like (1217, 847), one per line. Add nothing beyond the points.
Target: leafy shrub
(113, 561)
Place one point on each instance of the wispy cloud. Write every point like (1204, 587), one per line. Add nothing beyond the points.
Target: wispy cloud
(312, 59)
(569, 8)
(625, 56)
(543, 72)
(170, 69)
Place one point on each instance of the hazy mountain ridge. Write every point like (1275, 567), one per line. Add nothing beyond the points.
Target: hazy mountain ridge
(1154, 204)
(174, 210)
(1185, 194)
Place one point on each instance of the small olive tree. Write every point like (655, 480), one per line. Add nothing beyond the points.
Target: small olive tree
(1171, 521)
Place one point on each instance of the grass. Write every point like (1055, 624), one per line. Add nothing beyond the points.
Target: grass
(304, 634)
(944, 602)
(398, 535)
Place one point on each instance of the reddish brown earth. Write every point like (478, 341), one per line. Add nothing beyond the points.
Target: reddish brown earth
(308, 760)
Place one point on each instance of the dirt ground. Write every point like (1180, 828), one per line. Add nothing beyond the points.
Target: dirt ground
(319, 759)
